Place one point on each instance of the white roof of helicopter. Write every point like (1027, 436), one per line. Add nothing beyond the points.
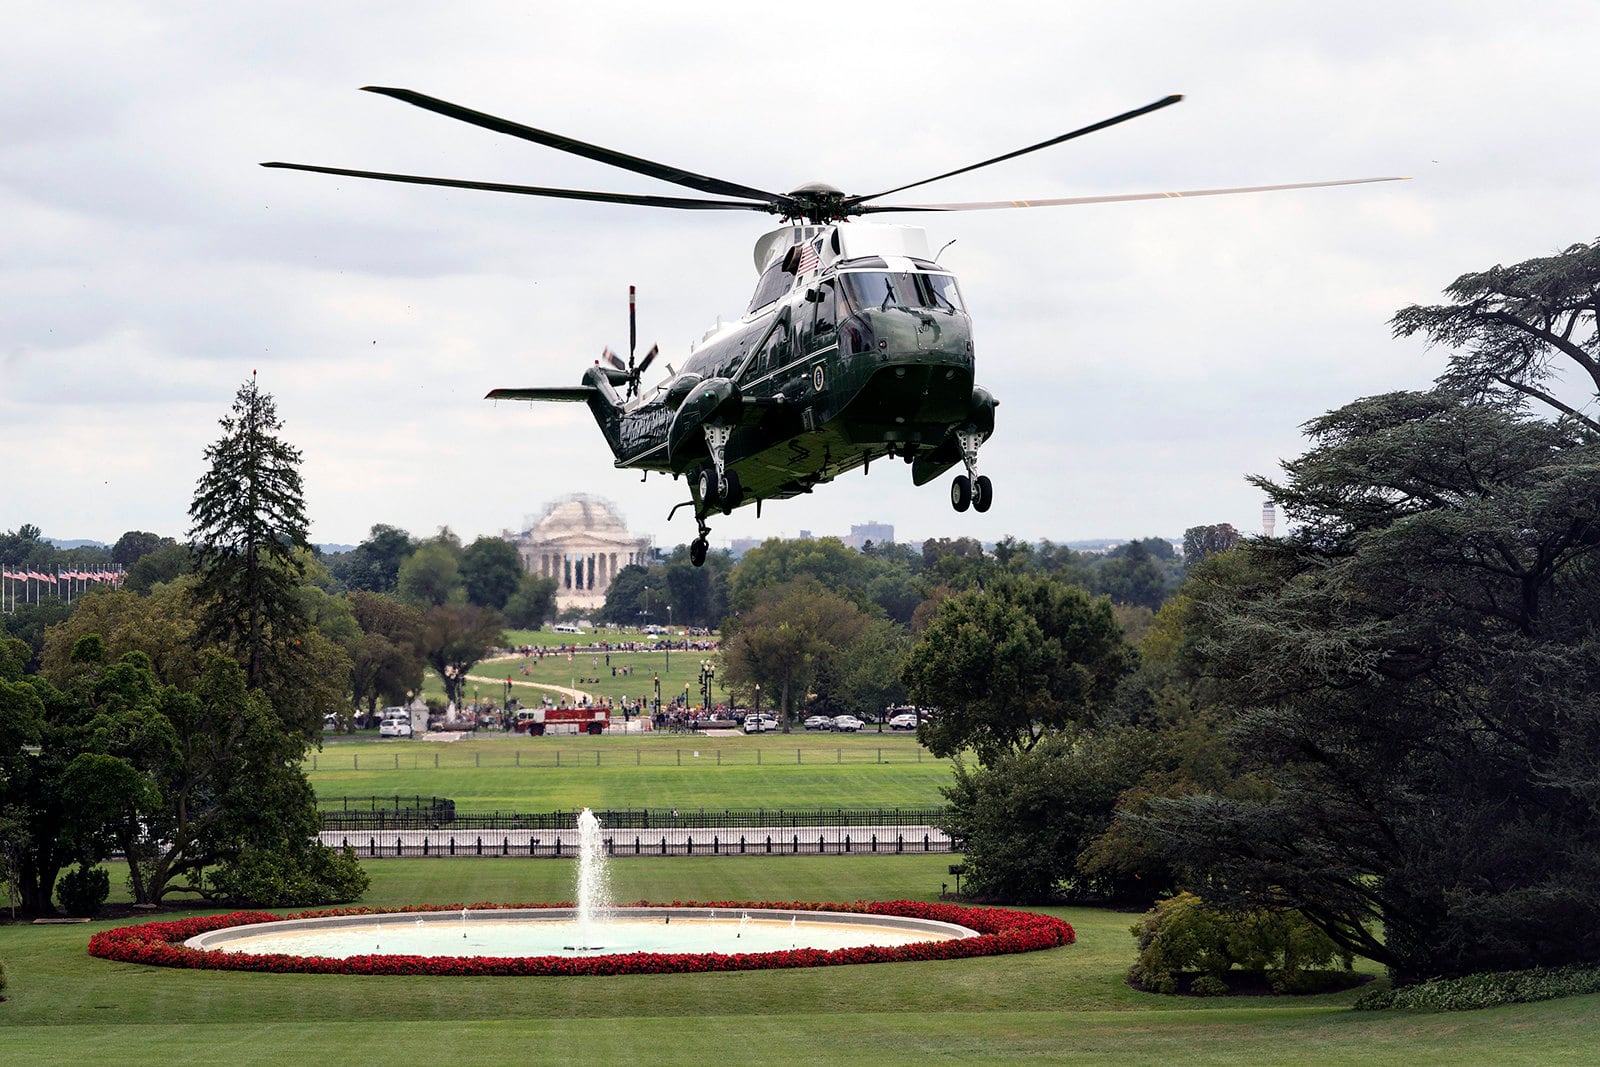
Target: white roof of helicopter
(850, 240)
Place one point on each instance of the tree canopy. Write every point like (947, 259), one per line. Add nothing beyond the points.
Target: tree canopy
(1006, 663)
(1411, 674)
(249, 527)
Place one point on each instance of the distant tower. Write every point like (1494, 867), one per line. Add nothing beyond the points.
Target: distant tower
(1269, 518)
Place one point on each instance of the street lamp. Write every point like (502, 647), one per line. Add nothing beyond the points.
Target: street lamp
(708, 670)
(758, 700)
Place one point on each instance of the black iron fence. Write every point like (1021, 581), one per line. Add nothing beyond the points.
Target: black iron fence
(366, 814)
(668, 841)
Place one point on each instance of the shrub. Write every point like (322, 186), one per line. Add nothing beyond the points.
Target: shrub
(1183, 935)
(83, 890)
(2, 981)
(268, 879)
(1486, 990)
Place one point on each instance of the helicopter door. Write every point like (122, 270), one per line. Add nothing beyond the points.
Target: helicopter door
(823, 326)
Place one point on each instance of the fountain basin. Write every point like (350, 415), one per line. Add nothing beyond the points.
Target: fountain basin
(948, 932)
(559, 931)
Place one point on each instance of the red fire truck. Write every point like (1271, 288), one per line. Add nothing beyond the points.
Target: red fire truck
(539, 721)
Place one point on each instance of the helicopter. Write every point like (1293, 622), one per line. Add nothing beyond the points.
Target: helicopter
(856, 344)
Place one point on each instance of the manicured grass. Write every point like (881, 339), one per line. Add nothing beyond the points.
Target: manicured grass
(1064, 1005)
(499, 772)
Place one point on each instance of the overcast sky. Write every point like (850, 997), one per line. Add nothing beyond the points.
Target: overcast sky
(1147, 356)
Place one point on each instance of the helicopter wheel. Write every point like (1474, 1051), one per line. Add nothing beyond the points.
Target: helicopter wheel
(982, 493)
(729, 492)
(961, 493)
(706, 483)
(697, 551)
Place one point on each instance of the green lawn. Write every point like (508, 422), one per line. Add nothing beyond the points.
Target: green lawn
(499, 772)
(1065, 1005)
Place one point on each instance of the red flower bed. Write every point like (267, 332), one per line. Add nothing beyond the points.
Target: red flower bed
(1000, 932)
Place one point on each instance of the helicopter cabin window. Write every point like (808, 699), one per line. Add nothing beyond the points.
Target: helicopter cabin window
(887, 289)
(773, 284)
(775, 352)
(827, 319)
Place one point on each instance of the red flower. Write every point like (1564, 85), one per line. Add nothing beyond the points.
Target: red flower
(1000, 931)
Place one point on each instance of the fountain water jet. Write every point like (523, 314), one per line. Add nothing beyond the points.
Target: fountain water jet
(594, 883)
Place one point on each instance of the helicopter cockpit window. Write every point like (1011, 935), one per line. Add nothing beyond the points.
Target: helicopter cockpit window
(887, 289)
(773, 284)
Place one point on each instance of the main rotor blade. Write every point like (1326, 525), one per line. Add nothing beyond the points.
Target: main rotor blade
(567, 393)
(1165, 101)
(684, 203)
(675, 175)
(1061, 201)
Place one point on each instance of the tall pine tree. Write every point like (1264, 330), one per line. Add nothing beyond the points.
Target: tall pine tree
(249, 528)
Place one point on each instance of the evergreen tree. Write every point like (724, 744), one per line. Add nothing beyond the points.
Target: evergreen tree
(249, 519)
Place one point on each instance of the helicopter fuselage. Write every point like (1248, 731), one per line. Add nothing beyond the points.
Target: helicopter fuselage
(854, 348)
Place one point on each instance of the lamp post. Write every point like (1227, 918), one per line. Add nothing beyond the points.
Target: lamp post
(758, 700)
(658, 694)
(708, 670)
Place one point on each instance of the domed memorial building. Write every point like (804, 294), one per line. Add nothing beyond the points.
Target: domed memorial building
(580, 541)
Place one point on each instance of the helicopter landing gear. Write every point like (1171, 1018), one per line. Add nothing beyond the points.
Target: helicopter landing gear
(730, 494)
(971, 489)
(699, 546)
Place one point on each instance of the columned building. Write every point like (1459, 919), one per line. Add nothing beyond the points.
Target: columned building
(582, 542)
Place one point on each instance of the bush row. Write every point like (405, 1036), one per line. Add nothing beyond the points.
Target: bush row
(1486, 990)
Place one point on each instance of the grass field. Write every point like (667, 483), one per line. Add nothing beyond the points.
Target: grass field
(499, 772)
(1066, 1005)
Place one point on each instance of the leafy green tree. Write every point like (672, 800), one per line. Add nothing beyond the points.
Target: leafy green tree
(1410, 677)
(1024, 820)
(22, 545)
(698, 595)
(249, 528)
(625, 600)
(387, 662)
(533, 604)
(1006, 663)
(795, 634)
(374, 564)
(134, 545)
(1202, 541)
(1138, 573)
(491, 570)
(776, 562)
(431, 576)
(455, 638)
(1513, 330)
(161, 564)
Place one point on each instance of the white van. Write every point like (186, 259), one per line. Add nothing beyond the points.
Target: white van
(566, 628)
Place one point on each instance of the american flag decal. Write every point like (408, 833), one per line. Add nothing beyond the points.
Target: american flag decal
(808, 258)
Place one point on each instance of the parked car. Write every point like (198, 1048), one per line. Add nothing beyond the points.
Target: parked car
(755, 724)
(903, 721)
(818, 722)
(394, 728)
(847, 723)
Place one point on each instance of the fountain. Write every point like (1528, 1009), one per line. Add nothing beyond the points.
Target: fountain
(593, 937)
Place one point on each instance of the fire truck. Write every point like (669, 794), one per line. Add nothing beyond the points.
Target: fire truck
(539, 721)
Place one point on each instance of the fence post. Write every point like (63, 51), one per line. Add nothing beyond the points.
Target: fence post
(355, 762)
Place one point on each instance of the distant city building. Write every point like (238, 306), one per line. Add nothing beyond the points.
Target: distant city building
(1269, 518)
(582, 542)
(876, 532)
